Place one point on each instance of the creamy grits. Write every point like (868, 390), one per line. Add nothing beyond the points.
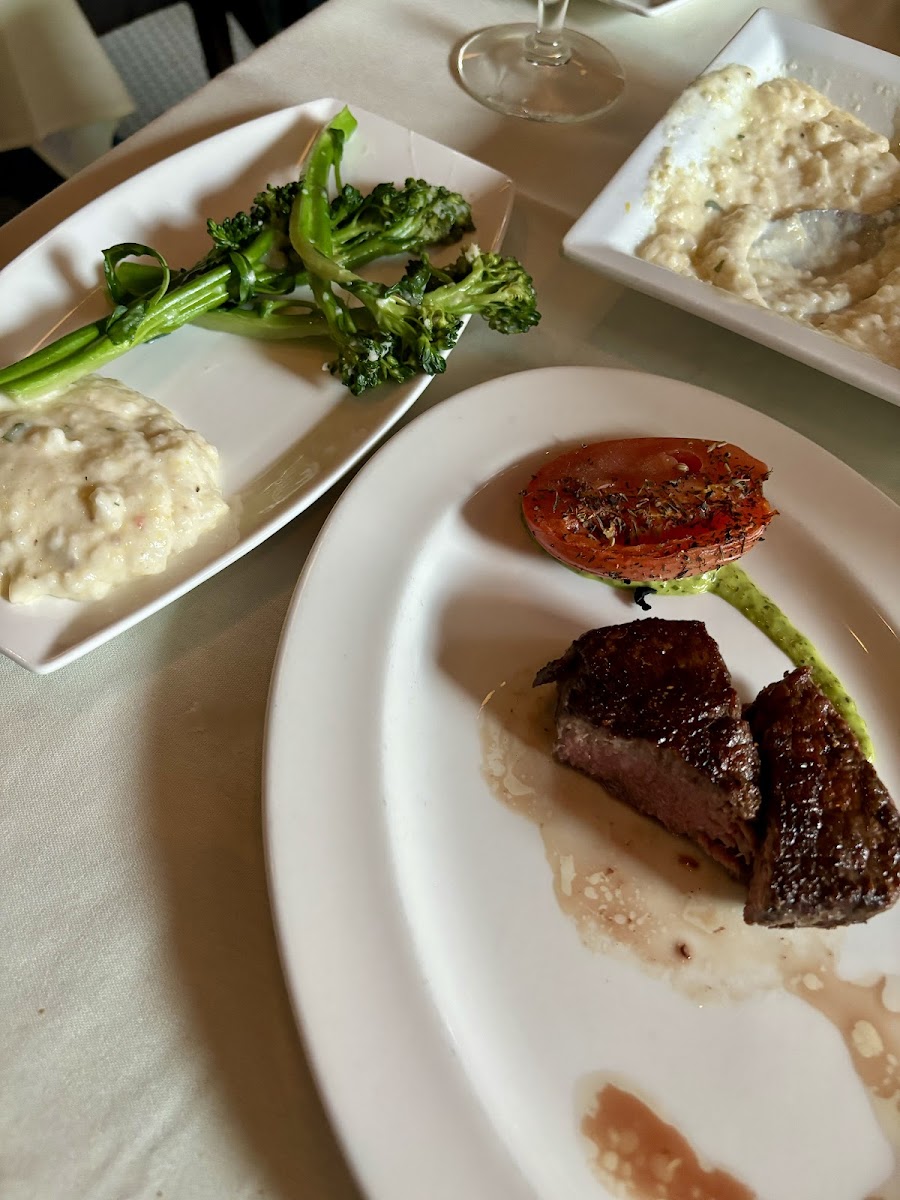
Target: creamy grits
(785, 149)
(99, 486)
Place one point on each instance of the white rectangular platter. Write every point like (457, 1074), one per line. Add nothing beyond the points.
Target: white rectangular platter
(856, 77)
(285, 429)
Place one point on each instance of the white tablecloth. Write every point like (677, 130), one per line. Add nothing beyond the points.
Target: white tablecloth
(147, 1047)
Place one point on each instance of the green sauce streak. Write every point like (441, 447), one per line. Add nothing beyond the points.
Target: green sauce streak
(735, 587)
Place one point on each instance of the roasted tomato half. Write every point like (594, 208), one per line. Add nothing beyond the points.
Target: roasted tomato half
(648, 508)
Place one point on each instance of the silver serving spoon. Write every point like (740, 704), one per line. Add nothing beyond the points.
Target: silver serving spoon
(821, 239)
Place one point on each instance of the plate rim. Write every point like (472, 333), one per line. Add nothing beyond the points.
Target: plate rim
(321, 109)
(335, 1081)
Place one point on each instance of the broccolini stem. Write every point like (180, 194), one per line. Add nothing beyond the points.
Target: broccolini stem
(71, 343)
(93, 347)
(48, 380)
(462, 296)
(141, 279)
(173, 310)
(271, 327)
(310, 220)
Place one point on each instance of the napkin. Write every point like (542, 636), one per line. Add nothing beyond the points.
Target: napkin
(54, 74)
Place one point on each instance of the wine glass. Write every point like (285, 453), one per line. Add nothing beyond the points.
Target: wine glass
(542, 71)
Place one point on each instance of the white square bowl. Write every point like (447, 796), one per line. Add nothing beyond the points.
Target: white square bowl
(855, 77)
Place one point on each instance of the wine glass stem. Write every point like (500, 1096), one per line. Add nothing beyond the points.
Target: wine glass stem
(547, 46)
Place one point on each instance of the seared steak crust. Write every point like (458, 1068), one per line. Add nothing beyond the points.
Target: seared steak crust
(830, 853)
(648, 710)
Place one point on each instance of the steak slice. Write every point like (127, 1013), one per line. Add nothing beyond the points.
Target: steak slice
(830, 852)
(648, 710)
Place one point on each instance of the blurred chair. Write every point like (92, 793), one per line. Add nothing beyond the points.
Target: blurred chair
(25, 177)
(260, 20)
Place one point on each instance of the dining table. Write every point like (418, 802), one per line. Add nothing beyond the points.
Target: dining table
(149, 1049)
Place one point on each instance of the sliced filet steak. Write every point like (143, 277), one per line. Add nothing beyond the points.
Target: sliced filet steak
(648, 710)
(830, 852)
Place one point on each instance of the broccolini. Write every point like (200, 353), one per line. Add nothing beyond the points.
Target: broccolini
(293, 238)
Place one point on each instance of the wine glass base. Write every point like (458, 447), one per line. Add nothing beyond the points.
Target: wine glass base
(493, 67)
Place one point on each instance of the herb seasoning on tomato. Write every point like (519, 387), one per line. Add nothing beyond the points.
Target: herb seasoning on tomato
(648, 509)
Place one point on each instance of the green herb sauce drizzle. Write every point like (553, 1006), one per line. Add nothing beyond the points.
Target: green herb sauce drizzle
(735, 587)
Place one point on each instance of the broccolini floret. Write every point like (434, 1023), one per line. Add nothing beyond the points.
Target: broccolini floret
(392, 220)
(423, 313)
(497, 289)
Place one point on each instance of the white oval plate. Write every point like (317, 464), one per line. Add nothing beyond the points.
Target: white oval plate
(286, 431)
(450, 1009)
